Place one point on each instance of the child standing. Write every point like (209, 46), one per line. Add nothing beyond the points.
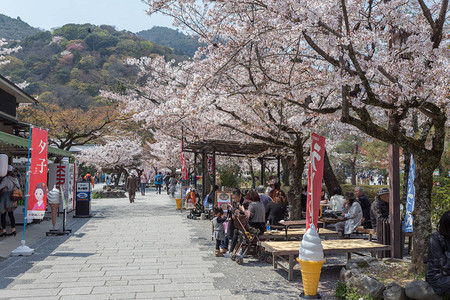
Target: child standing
(219, 229)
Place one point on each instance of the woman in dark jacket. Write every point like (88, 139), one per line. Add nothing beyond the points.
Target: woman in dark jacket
(276, 210)
(438, 265)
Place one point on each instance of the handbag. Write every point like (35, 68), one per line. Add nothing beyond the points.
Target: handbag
(16, 194)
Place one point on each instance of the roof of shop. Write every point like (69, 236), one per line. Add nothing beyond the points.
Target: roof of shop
(19, 146)
(233, 148)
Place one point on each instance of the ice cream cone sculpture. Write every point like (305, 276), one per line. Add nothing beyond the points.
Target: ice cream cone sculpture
(311, 260)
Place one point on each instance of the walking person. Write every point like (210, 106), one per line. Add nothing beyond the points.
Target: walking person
(158, 182)
(132, 185)
(173, 185)
(166, 182)
(7, 185)
(143, 183)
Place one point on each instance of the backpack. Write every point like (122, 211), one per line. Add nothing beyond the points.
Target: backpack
(159, 179)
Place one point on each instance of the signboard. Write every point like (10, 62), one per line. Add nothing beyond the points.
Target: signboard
(183, 194)
(411, 195)
(223, 200)
(37, 199)
(83, 191)
(62, 175)
(190, 203)
(210, 165)
(315, 174)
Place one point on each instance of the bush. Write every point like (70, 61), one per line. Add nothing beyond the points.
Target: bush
(440, 200)
(229, 176)
(347, 293)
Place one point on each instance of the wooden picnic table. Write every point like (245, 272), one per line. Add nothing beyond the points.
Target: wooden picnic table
(294, 233)
(296, 223)
(327, 221)
(280, 249)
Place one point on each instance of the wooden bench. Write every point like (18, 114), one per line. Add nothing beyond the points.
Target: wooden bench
(293, 234)
(296, 224)
(282, 249)
(371, 233)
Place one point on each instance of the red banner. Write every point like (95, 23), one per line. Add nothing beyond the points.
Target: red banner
(315, 175)
(184, 173)
(37, 199)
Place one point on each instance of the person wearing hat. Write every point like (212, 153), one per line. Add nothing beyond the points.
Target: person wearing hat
(352, 218)
(380, 207)
(132, 185)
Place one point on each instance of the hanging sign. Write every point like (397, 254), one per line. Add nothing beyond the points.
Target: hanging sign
(210, 165)
(37, 190)
(315, 175)
(411, 195)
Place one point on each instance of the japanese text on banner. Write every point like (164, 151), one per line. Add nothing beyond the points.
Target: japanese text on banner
(315, 175)
(37, 199)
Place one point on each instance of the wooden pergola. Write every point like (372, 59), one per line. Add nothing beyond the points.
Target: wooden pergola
(261, 151)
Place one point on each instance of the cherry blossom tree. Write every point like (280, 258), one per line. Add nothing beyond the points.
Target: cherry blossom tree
(376, 65)
(117, 155)
(6, 51)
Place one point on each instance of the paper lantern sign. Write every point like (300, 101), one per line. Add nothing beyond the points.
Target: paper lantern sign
(3, 165)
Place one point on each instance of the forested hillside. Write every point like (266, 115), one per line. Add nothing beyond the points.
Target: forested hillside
(15, 29)
(70, 65)
(181, 43)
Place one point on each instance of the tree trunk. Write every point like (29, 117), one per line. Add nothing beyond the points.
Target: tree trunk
(328, 176)
(252, 173)
(353, 171)
(425, 165)
(206, 180)
(285, 171)
(117, 179)
(296, 167)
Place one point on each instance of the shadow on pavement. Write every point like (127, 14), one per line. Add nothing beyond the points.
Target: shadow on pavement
(13, 267)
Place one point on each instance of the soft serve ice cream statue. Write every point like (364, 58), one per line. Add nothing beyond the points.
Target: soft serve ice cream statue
(310, 257)
(311, 246)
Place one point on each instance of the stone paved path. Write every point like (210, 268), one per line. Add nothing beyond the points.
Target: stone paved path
(127, 251)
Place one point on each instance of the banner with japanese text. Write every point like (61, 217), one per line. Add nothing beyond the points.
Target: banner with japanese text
(37, 199)
(411, 195)
(315, 175)
(184, 174)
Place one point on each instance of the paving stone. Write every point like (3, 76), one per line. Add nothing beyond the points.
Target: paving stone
(158, 295)
(84, 290)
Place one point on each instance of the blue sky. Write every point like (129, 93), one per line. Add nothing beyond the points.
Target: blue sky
(47, 14)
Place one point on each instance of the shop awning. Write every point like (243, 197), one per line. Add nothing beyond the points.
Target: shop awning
(19, 146)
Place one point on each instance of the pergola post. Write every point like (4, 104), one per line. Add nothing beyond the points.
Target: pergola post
(195, 170)
(261, 161)
(279, 169)
(214, 174)
(203, 174)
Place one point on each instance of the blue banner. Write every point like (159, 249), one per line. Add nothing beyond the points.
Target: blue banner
(408, 224)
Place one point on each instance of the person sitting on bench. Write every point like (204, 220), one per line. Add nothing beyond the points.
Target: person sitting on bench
(351, 219)
(438, 264)
(380, 207)
(257, 212)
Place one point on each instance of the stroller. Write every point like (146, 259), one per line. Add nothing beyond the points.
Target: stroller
(249, 245)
